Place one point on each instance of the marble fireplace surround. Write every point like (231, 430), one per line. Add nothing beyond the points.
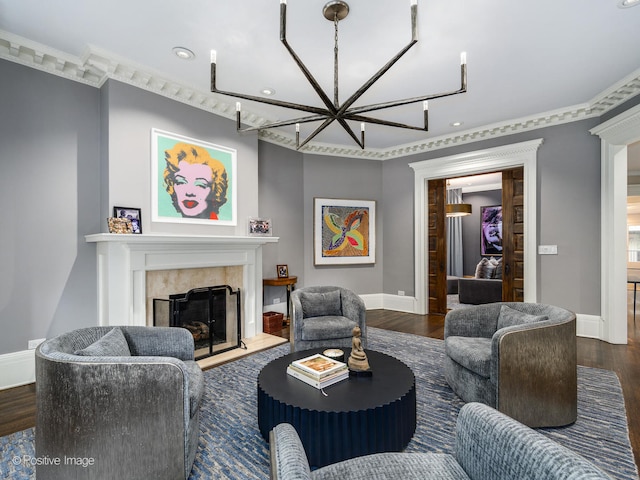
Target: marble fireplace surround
(124, 260)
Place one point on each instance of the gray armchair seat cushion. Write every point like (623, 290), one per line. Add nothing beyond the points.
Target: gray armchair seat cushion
(473, 353)
(330, 326)
(488, 446)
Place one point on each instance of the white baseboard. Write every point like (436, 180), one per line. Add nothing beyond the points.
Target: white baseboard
(17, 368)
(588, 326)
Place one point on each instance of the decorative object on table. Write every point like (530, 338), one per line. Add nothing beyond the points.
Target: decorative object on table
(192, 181)
(491, 234)
(318, 371)
(272, 322)
(260, 227)
(119, 225)
(133, 214)
(334, 354)
(344, 231)
(334, 111)
(283, 271)
(358, 358)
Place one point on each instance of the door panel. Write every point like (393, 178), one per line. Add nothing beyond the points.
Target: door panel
(437, 247)
(513, 235)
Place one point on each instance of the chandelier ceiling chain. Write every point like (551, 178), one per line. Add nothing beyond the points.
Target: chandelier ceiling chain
(333, 111)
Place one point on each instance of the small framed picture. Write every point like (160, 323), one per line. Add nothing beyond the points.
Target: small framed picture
(283, 271)
(133, 214)
(119, 225)
(260, 226)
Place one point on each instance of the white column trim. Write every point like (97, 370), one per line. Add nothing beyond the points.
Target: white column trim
(615, 134)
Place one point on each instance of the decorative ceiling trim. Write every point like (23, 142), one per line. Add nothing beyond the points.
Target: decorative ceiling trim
(97, 66)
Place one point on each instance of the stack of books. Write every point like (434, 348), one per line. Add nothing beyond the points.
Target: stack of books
(318, 371)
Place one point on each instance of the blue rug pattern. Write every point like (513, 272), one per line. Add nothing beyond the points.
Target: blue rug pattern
(231, 445)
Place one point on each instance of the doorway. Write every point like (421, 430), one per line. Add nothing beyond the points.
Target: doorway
(616, 135)
(500, 158)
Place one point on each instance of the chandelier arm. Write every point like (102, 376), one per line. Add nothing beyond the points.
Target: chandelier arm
(283, 38)
(351, 133)
(386, 123)
(285, 123)
(271, 101)
(324, 125)
(406, 101)
(414, 39)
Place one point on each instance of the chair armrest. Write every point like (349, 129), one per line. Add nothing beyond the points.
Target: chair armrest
(538, 361)
(287, 455)
(295, 329)
(160, 341)
(353, 308)
(480, 321)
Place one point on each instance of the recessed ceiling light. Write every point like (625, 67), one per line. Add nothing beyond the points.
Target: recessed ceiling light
(456, 124)
(267, 91)
(628, 3)
(183, 53)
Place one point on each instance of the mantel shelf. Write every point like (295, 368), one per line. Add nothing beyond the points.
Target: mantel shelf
(158, 239)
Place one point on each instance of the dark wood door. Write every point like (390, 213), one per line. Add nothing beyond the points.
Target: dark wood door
(513, 235)
(437, 242)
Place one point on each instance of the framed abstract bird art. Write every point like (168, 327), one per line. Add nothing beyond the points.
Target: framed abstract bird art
(344, 231)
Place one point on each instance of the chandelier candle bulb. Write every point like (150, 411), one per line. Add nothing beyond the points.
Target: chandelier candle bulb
(463, 58)
(238, 107)
(362, 127)
(214, 55)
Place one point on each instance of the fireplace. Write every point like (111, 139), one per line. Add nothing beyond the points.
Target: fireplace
(123, 261)
(211, 314)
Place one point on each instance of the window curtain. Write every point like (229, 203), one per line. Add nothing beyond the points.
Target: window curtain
(454, 236)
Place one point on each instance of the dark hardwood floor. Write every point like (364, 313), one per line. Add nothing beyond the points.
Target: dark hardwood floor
(17, 405)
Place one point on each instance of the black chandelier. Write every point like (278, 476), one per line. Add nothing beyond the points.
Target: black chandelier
(334, 111)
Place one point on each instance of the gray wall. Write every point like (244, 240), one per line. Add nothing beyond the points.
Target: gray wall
(568, 201)
(58, 131)
(471, 227)
(280, 175)
(131, 115)
(49, 191)
(335, 177)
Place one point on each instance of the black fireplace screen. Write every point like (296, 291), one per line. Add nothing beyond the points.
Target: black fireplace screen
(211, 314)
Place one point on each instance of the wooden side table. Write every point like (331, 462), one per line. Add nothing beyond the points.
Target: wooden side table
(287, 282)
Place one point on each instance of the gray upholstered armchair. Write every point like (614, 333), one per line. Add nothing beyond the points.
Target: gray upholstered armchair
(517, 357)
(325, 316)
(126, 399)
(488, 446)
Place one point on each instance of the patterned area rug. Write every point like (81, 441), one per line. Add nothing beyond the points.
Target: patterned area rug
(231, 445)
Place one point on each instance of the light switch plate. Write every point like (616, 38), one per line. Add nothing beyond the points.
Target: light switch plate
(547, 249)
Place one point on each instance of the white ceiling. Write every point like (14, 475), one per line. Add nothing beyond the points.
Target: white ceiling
(524, 58)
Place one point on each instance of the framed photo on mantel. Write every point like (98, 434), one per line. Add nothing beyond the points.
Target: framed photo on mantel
(133, 214)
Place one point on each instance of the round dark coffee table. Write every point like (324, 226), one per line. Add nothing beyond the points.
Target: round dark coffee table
(361, 415)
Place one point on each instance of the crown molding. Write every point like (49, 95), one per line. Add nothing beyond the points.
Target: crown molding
(97, 66)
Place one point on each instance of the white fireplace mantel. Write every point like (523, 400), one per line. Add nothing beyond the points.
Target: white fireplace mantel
(124, 259)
